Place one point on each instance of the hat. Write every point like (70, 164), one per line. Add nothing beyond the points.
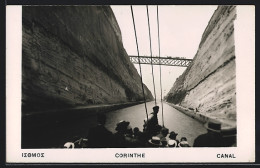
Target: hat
(214, 126)
(183, 139)
(165, 131)
(172, 135)
(136, 129)
(156, 108)
(155, 141)
(230, 132)
(122, 125)
(172, 143)
(183, 144)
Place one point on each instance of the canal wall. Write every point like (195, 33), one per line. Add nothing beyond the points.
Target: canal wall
(208, 85)
(204, 118)
(74, 56)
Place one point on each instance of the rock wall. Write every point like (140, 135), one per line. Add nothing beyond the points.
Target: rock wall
(208, 85)
(73, 55)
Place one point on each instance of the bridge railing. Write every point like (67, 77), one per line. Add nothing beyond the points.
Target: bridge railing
(168, 61)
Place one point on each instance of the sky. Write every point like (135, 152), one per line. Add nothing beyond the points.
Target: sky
(181, 28)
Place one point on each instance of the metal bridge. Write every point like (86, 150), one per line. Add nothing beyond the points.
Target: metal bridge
(168, 61)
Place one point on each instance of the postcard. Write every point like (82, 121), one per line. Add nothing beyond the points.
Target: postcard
(130, 84)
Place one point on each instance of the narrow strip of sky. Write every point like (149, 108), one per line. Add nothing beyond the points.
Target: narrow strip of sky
(181, 29)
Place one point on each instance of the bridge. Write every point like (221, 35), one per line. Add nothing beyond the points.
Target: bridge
(168, 61)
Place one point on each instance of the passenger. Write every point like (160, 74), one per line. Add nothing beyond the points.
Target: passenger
(158, 129)
(172, 143)
(99, 136)
(150, 125)
(229, 137)
(154, 142)
(140, 137)
(130, 141)
(212, 138)
(136, 132)
(121, 129)
(173, 136)
(183, 142)
(164, 132)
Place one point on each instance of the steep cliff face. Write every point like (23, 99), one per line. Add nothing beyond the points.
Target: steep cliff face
(73, 55)
(209, 84)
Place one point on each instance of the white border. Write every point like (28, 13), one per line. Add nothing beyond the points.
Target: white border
(245, 63)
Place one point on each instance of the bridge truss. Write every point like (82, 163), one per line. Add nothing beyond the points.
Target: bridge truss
(168, 61)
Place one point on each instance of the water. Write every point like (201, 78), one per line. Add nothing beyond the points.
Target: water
(53, 132)
(174, 120)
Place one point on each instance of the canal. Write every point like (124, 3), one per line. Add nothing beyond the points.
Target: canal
(53, 132)
(174, 120)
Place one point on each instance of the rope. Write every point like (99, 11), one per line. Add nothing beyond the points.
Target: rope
(151, 53)
(160, 62)
(139, 63)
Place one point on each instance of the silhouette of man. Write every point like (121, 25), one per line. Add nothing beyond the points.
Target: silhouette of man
(152, 123)
(212, 138)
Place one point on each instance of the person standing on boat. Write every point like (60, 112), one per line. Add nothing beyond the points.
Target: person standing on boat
(152, 123)
(212, 138)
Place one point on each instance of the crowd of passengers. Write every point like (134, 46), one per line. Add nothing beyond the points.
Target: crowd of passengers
(153, 135)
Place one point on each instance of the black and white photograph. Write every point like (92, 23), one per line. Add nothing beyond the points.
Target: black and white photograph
(125, 81)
